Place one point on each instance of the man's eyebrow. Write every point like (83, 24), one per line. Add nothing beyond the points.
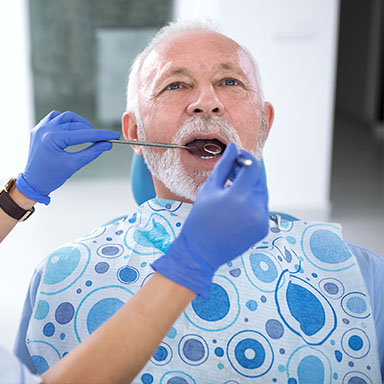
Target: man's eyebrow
(229, 67)
(176, 71)
(179, 71)
(226, 66)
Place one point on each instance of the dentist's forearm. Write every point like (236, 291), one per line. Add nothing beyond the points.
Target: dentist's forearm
(7, 223)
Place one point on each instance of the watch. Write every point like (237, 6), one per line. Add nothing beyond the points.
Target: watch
(9, 206)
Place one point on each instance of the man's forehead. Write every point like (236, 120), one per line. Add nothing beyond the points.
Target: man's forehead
(173, 54)
(184, 39)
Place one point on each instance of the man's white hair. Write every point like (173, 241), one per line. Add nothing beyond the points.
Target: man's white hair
(164, 33)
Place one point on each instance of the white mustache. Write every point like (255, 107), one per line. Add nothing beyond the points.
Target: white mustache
(213, 124)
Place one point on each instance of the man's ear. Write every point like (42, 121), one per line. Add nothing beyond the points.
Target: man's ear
(269, 114)
(129, 127)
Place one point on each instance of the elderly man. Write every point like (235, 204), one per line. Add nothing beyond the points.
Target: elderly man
(298, 306)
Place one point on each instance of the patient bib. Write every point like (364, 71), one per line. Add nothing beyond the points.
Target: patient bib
(292, 309)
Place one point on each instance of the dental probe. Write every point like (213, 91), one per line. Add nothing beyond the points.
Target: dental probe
(147, 143)
(244, 162)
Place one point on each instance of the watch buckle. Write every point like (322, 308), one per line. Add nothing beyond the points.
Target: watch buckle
(27, 214)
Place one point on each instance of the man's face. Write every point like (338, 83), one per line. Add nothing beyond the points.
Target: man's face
(204, 84)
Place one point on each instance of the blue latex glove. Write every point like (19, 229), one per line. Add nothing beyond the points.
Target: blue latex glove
(49, 165)
(224, 222)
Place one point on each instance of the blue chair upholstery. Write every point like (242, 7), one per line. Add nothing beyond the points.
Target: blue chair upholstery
(141, 180)
(143, 189)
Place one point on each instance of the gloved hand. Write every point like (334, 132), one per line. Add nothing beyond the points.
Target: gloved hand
(49, 165)
(224, 222)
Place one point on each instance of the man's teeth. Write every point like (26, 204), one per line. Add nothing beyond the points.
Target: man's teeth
(208, 157)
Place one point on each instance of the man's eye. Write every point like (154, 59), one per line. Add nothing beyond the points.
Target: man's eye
(174, 86)
(230, 82)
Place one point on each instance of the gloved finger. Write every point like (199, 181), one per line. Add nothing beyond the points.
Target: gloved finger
(80, 136)
(71, 117)
(47, 118)
(90, 153)
(223, 167)
(51, 115)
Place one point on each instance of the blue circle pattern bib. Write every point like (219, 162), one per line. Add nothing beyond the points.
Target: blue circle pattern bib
(292, 309)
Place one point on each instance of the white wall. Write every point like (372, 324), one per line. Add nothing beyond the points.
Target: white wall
(15, 95)
(294, 43)
(16, 121)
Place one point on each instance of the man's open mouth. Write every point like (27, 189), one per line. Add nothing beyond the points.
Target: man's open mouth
(206, 148)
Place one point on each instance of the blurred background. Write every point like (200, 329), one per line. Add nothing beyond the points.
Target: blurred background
(322, 68)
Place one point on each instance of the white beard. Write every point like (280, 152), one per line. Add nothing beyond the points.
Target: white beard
(167, 166)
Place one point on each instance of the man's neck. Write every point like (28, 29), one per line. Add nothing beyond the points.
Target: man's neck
(172, 196)
(162, 192)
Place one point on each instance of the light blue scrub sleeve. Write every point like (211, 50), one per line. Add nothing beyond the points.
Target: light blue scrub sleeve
(12, 371)
(20, 348)
(372, 268)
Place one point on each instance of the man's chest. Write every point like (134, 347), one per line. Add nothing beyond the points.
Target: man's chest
(282, 309)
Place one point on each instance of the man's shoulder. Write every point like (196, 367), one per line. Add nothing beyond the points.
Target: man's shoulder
(370, 263)
(104, 239)
(365, 255)
(372, 269)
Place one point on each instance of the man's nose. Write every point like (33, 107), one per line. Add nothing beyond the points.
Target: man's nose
(206, 103)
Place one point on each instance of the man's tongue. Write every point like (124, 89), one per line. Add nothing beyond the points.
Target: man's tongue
(206, 148)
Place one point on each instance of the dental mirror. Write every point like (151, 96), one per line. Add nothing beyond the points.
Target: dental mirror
(213, 149)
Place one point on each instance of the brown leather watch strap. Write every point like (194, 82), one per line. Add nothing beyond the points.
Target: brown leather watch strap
(10, 207)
